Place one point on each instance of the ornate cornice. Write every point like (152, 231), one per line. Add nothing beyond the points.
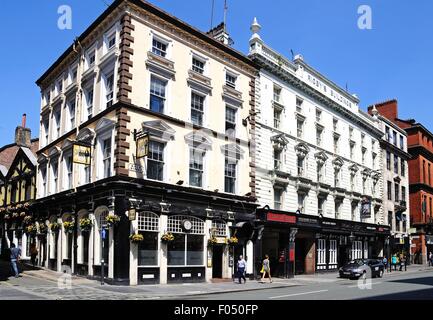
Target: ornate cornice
(291, 79)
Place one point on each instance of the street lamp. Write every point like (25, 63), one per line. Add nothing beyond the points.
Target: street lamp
(352, 237)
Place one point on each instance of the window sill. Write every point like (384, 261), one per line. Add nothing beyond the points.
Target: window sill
(108, 57)
(160, 65)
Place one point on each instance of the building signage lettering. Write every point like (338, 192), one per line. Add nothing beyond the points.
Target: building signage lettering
(307, 221)
(281, 218)
(136, 168)
(82, 154)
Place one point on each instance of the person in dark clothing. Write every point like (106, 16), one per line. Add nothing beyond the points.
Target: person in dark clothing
(15, 257)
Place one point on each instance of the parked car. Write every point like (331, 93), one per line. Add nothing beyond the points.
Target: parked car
(362, 268)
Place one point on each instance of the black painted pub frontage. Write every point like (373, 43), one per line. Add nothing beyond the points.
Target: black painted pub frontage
(184, 234)
(304, 244)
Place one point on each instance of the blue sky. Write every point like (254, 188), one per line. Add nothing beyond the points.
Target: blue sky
(393, 60)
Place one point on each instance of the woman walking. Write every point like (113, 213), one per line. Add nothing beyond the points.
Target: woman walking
(266, 269)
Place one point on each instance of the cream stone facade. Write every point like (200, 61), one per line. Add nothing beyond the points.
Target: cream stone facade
(139, 72)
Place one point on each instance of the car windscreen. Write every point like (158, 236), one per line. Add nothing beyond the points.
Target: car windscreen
(358, 262)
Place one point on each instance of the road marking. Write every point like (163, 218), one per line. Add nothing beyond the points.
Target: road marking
(298, 294)
(372, 283)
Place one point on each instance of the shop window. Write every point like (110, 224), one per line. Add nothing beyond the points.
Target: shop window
(321, 252)
(333, 252)
(187, 248)
(148, 249)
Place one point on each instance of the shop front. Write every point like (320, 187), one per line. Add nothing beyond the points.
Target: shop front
(301, 244)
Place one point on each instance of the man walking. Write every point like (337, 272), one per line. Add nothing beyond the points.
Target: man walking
(15, 257)
(430, 259)
(242, 264)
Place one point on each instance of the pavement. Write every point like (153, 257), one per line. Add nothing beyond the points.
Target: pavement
(43, 284)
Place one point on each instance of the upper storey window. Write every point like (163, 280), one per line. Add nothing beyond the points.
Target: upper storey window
(231, 80)
(159, 47)
(198, 65)
(157, 94)
(110, 40)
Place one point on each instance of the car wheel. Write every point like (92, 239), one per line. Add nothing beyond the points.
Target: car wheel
(381, 272)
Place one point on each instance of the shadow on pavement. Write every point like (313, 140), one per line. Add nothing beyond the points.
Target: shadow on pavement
(422, 281)
(6, 269)
(421, 294)
(426, 294)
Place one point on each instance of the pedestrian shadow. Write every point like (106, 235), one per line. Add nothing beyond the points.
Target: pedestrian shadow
(6, 270)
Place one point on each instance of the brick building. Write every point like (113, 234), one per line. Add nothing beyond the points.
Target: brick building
(420, 147)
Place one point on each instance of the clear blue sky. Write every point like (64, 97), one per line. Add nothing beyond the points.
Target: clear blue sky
(394, 60)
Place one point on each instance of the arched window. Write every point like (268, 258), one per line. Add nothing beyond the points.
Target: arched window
(148, 221)
(187, 249)
(83, 239)
(52, 240)
(101, 214)
(148, 227)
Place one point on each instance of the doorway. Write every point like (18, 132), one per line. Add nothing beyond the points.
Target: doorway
(217, 262)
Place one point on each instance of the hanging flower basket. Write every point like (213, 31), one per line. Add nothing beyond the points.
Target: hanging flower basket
(112, 220)
(2, 210)
(7, 217)
(22, 215)
(68, 226)
(85, 225)
(19, 206)
(27, 220)
(233, 241)
(43, 230)
(15, 215)
(54, 227)
(212, 241)
(31, 230)
(167, 237)
(136, 238)
(26, 205)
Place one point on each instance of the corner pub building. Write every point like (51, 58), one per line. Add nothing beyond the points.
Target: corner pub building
(145, 131)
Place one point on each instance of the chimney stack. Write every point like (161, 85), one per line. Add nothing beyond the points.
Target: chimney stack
(23, 135)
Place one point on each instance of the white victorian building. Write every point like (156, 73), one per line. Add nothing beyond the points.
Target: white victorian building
(318, 167)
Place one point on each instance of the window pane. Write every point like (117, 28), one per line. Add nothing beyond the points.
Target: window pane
(155, 163)
(195, 248)
(197, 108)
(148, 249)
(176, 251)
